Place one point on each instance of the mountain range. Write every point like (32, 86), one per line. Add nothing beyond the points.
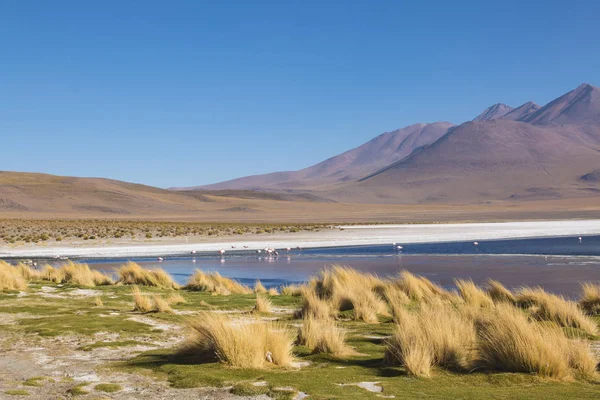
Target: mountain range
(504, 153)
(528, 158)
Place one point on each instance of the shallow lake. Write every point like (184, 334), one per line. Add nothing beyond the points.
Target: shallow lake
(559, 264)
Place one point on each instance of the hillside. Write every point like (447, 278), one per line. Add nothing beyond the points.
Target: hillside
(497, 159)
(353, 164)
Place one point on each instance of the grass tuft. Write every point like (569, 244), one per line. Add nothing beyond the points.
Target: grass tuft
(215, 283)
(324, 336)
(133, 274)
(249, 345)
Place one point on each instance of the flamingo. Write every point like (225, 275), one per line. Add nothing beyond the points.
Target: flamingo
(299, 248)
(233, 247)
(160, 259)
(399, 248)
(288, 249)
(221, 252)
(580, 239)
(394, 243)
(276, 253)
(193, 251)
(258, 251)
(476, 243)
(245, 247)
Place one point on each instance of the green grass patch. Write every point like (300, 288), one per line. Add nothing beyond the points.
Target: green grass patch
(17, 392)
(108, 387)
(78, 390)
(36, 381)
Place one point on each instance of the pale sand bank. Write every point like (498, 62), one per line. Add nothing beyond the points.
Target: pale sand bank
(342, 236)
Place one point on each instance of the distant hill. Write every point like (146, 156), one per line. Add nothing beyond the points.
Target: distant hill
(21, 191)
(580, 106)
(351, 165)
(528, 152)
(521, 112)
(496, 111)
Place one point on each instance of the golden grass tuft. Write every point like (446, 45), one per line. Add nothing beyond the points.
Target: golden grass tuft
(314, 307)
(499, 293)
(409, 347)
(142, 303)
(259, 288)
(215, 283)
(98, 301)
(347, 289)
(273, 292)
(240, 345)
(28, 273)
(51, 274)
(550, 307)
(590, 298)
(324, 336)
(263, 304)
(417, 288)
(161, 305)
(508, 341)
(175, 298)
(133, 274)
(10, 278)
(291, 290)
(437, 334)
(473, 294)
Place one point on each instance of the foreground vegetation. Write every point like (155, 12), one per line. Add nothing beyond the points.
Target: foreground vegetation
(342, 335)
(21, 231)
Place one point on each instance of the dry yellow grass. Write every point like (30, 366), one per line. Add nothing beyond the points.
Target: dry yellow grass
(161, 305)
(273, 292)
(98, 301)
(252, 345)
(508, 341)
(499, 293)
(215, 283)
(347, 289)
(472, 294)
(324, 336)
(142, 303)
(410, 347)
(437, 334)
(74, 273)
(51, 274)
(259, 288)
(590, 298)
(10, 278)
(416, 288)
(314, 307)
(291, 290)
(549, 307)
(133, 274)
(263, 304)
(28, 273)
(175, 298)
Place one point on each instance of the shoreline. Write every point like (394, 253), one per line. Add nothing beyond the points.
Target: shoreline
(341, 236)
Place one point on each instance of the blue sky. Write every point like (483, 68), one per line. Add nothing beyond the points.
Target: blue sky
(192, 92)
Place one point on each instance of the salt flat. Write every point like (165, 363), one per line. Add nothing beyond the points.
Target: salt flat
(352, 235)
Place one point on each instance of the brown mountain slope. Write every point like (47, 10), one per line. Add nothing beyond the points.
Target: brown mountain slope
(521, 112)
(377, 153)
(580, 106)
(495, 111)
(496, 159)
(30, 192)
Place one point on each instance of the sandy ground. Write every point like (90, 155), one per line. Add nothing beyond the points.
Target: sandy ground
(340, 236)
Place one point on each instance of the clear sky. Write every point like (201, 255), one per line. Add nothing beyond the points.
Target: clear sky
(181, 93)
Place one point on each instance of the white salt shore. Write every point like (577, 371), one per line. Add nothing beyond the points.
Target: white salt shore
(341, 236)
